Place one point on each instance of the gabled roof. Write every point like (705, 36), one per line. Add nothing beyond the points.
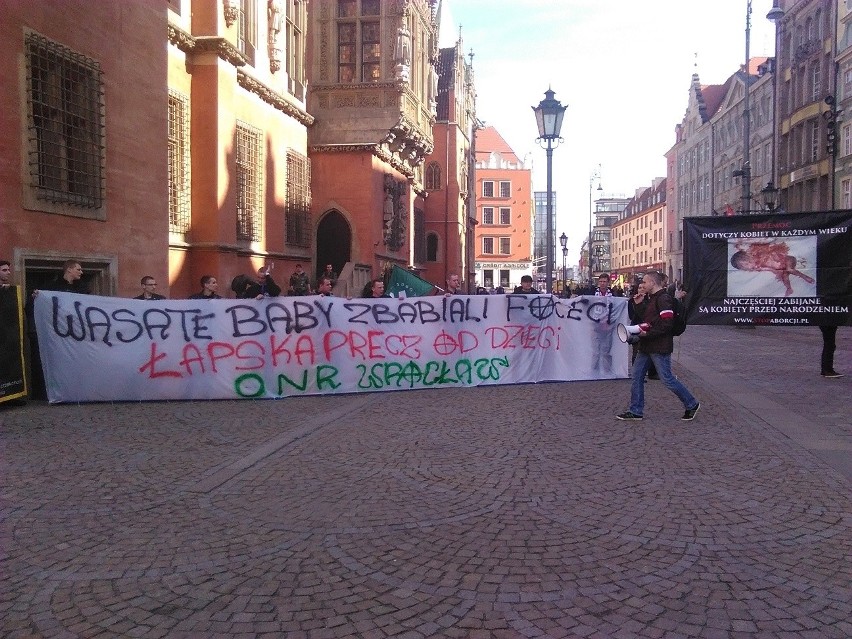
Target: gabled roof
(754, 65)
(710, 97)
(714, 95)
(489, 141)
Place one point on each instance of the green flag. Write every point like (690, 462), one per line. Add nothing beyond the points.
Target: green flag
(401, 281)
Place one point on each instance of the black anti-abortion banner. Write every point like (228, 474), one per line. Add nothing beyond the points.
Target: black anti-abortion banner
(774, 269)
(12, 382)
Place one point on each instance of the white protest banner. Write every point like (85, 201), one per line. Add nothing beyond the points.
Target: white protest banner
(110, 349)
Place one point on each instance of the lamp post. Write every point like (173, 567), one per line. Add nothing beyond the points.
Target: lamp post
(745, 171)
(563, 242)
(775, 15)
(770, 197)
(596, 175)
(548, 117)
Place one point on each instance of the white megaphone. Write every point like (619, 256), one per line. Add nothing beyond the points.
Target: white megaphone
(629, 333)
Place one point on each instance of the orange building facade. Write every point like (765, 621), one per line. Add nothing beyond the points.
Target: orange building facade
(238, 182)
(504, 210)
(637, 239)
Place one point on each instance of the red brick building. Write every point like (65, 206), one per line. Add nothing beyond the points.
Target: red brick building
(449, 216)
(82, 159)
(372, 92)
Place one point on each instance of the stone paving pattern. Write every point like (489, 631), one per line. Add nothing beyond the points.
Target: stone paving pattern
(511, 511)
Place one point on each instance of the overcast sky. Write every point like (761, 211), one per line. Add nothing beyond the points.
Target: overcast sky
(623, 67)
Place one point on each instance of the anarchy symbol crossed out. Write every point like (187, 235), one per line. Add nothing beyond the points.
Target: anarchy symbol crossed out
(542, 306)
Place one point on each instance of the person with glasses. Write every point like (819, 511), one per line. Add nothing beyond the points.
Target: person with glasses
(149, 286)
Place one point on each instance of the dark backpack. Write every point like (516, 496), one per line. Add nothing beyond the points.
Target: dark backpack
(679, 325)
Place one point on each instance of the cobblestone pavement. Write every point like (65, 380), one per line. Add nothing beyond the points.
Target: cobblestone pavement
(514, 511)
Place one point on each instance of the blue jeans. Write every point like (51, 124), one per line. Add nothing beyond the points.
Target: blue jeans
(664, 370)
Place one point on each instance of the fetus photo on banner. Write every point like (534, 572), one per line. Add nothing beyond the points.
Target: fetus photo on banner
(790, 269)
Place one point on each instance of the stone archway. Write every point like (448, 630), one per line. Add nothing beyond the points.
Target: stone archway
(334, 242)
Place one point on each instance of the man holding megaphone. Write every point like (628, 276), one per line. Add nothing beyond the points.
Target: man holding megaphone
(655, 344)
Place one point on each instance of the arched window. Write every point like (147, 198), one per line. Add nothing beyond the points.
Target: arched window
(432, 247)
(433, 177)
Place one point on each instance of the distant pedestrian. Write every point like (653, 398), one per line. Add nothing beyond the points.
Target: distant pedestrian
(209, 286)
(262, 285)
(324, 286)
(299, 282)
(829, 345)
(149, 287)
(603, 289)
(454, 285)
(329, 273)
(376, 289)
(656, 344)
(526, 287)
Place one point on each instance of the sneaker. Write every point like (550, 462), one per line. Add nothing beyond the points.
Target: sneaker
(832, 374)
(689, 413)
(628, 416)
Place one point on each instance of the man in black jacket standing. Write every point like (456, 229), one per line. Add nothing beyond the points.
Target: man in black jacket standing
(656, 344)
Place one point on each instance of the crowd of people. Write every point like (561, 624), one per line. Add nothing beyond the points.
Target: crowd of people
(651, 305)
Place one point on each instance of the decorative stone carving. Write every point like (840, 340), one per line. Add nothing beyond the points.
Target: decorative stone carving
(231, 11)
(369, 100)
(181, 39)
(343, 100)
(273, 98)
(324, 43)
(394, 216)
(221, 47)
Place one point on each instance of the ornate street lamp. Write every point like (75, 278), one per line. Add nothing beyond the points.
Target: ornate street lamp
(770, 196)
(563, 242)
(548, 116)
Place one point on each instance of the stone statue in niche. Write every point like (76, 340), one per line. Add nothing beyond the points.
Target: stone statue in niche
(393, 213)
(402, 53)
(275, 14)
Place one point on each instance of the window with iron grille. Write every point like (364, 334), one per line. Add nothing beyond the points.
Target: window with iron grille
(247, 32)
(65, 99)
(179, 214)
(249, 147)
(297, 210)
